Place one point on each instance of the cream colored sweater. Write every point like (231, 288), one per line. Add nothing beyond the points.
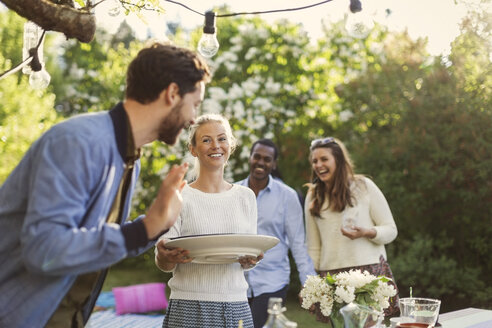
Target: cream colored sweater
(330, 250)
(233, 211)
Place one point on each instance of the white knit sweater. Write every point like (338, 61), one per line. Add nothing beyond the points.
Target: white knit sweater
(330, 250)
(233, 211)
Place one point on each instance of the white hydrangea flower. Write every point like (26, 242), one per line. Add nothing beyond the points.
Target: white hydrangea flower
(250, 87)
(211, 106)
(346, 115)
(272, 86)
(236, 40)
(259, 123)
(92, 73)
(231, 66)
(235, 91)
(238, 108)
(346, 286)
(326, 305)
(229, 56)
(382, 294)
(247, 29)
(251, 53)
(236, 48)
(262, 33)
(289, 87)
(354, 278)
(344, 294)
(319, 61)
(76, 72)
(262, 103)
(217, 93)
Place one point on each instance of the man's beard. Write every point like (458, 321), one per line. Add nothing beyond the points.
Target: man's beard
(172, 125)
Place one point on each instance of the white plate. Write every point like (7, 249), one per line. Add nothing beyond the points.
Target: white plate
(223, 248)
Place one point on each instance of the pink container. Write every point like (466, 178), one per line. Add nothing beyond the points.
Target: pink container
(140, 298)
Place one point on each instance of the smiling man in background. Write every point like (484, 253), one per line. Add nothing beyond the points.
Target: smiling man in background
(279, 215)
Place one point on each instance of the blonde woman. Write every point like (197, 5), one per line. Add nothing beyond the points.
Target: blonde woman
(209, 295)
(348, 220)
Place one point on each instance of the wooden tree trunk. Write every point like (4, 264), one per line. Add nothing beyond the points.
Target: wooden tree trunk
(74, 23)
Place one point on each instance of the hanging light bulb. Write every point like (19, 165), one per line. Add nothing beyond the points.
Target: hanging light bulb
(115, 8)
(40, 79)
(32, 34)
(357, 24)
(208, 44)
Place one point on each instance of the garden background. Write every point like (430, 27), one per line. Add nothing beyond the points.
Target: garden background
(419, 125)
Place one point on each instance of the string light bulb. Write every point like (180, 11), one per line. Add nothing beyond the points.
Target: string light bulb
(358, 24)
(40, 79)
(208, 44)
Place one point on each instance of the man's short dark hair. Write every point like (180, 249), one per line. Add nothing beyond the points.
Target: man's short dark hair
(268, 143)
(157, 66)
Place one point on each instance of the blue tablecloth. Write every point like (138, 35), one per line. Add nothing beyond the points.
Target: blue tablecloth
(107, 318)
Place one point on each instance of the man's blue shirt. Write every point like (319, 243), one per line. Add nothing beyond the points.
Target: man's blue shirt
(279, 215)
(53, 210)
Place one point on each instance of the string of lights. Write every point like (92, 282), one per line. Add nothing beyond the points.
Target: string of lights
(208, 44)
(255, 12)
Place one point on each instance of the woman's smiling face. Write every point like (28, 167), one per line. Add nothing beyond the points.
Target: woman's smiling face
(323, 164)
(212, 144)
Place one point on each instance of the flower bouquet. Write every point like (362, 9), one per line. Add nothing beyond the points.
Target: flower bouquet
(334, 292)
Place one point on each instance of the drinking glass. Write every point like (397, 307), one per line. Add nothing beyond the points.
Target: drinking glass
(349, 218)
(419, 310)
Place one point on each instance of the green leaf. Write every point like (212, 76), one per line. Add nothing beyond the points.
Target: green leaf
(81, 3)
(329, 279)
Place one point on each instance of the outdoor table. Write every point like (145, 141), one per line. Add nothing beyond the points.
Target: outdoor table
(467, 318)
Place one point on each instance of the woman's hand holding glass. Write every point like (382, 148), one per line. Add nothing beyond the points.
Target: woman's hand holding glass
(358, 232)
(350, 227)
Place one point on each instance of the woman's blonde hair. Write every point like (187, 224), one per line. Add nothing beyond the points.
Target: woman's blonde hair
(202, 120)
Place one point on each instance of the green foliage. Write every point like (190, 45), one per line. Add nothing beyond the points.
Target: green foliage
(425, 138)
(24, 113)
(426, 263)
(11, 33)
(92, 76)
(23, 118)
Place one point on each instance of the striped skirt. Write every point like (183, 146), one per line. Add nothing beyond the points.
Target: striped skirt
(193, 314)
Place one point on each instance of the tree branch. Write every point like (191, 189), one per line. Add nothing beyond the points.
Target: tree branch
(74, 23)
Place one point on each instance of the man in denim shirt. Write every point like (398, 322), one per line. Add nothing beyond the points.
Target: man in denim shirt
(279, 215)
(62, 209)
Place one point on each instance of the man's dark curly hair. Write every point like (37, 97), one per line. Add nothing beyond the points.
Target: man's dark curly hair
(157, 66)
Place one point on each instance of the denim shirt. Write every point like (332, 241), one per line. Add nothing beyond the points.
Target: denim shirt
(53, 209)
(279, 215)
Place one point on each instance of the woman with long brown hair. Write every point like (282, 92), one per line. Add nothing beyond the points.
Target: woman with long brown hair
(348, 220)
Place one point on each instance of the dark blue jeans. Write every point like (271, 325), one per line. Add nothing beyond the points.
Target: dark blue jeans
(259, 305)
